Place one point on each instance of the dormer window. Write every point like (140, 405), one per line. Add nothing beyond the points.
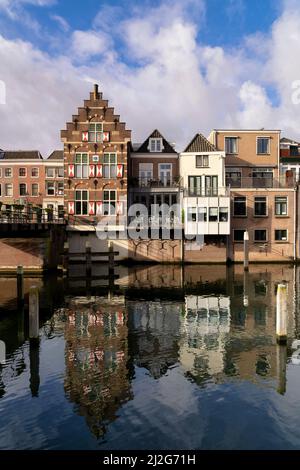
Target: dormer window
(155, 145)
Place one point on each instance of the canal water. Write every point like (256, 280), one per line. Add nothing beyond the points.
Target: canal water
(168, 359)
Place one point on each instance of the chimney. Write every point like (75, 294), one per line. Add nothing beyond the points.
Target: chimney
(96, 93)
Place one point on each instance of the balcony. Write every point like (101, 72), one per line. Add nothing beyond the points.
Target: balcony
(154, 184)
(261, 182)
(206, 192)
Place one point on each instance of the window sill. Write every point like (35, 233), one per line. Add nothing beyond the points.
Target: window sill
(240, 216)
(261, 242)
(261, 216)
(281, 216)
(263, 154)
(281, 241)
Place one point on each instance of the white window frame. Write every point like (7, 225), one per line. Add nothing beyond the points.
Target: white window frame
(269, 144)
(154, 143)
(287, 206)
(38, 172)
(110, 165)
(12, 190)
(23, 168)
(98, 135)
(0, 172)
(237, 147)
(47, 189)
(22, 195)
(82, 165)
(81, 201)
(38, 189)
(63, 172)
(109, 201)
(281, 241)
(50, 168)
(201, 158)
(260, 241)
(58, 193)
(12, 172)
(239, 197)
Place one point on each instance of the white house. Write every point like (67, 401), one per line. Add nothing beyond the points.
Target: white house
(206, 200)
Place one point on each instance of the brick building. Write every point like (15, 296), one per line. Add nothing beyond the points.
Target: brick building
(262, 202)
(95, 165)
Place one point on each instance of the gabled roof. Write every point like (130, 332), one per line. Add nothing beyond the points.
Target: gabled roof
(56, 155)
(285, 140)
(21, 155)
(200, 144)
(167, 147)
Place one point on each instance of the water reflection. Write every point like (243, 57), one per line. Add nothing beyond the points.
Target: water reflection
(199, 331)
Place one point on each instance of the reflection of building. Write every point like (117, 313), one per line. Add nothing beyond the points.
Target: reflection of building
(154, 331)
(205, 327)
(96, 361)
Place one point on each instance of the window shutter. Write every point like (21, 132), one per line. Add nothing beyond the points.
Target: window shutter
(91, 171)
(120, 171)
(85, 136)
(71, 171)
(99, 171)
(106, 137)
(119, 208)
(71, 208)
(99, 208)
(91, 208)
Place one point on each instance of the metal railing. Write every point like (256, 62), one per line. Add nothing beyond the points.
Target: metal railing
(206, 192)
(42, 216)
(261, 182)
(154, 183)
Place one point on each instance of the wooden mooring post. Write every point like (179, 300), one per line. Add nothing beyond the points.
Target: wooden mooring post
(246, 250)
(111, 267)
(20, 285)
(34, 313)
(88, 254)
(281, 314)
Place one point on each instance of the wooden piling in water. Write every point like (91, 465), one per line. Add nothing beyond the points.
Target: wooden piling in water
(246, 250)
(66, 257)
(111, 266)
(20, 285)
(281, 314)
(34, 313)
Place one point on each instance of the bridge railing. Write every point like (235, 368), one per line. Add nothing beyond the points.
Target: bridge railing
(32, 216)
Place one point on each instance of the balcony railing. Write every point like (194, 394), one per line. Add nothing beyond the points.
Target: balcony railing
(154, 183)
(261, 182)
(206, 192)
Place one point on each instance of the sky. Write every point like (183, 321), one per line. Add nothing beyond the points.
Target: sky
(179, 66)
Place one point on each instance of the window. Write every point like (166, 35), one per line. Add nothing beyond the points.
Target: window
(8, 172)
(0, 172)
(213, 214)
(22, 189)
(81, 165)
(155, 145)
(110, 199)
(234, 179)
(281, 235)
(50, 172)
(263, 145)
(34, 172)
(202, 214)
(223, 214)
(165, 173)
(194, 185)
(202, 161)
(9, 190)
(96, 132)
(110, 165)
(260, 235)
(0, 189)
(61, 212)
(238, 235)
(60, 188)
(211, 185)
(81, 202)
(145, 173)
(50, 188)
(231, 145)
(60, 172)
(239, 206)
(22, 172)
(260, 206)
(192, 214)
(281, 205)
(35, 189)
(262, 178)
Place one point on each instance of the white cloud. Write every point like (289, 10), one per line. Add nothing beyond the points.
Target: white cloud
(173, 82)
(64, 25)
(86, 44)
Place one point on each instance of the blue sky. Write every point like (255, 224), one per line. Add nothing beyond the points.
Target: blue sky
(184, 66)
